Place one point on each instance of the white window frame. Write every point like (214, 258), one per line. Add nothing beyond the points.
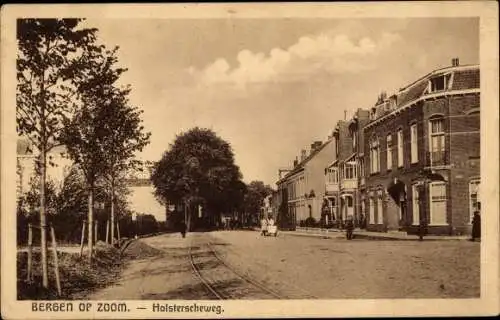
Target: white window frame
(389, 147)
(363, 207)
(474, 190)
(415, 205)
(372, 211)
(361, 167)
(400, 148)
(431, 200)
(380, 211)
(374, 155)
(435, 136)
(447, 81)
(414, 143)
(350, 170)
(333, 175)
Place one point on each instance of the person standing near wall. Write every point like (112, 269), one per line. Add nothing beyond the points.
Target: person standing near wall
(476, 226)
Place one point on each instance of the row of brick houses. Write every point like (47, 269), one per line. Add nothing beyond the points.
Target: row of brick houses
(410, 160)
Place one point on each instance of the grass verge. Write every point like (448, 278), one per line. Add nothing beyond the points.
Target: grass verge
(78, 277)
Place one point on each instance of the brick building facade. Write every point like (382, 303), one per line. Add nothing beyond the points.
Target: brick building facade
(344, 176)
(422, 154)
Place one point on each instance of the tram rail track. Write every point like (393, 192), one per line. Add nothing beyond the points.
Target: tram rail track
(248, 287)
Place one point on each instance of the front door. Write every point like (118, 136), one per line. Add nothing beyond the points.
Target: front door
(349, 207)
(415, 206)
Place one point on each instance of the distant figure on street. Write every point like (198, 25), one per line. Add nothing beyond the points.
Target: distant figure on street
(183, 228)
(270, 222)
(422, 228)
(476, 226)
(362, 221)
(263, 226)
(349, 226)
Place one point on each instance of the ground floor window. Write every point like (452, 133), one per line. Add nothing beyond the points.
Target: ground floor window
(333, 208)
(380, 214)
(474, 199)
(372, 211)
(347, 206)
(437, 193)
(415, 205)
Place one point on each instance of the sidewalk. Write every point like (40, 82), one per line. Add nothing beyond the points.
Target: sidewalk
(363, 234)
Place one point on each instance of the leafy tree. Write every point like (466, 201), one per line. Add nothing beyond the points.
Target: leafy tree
(71, 205)
(28, 205)
(198, 168)
(254, 197)
(87, 129)
(49, 55)
(124, 136)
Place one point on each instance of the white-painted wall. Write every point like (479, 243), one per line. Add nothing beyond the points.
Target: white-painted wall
(142, 200)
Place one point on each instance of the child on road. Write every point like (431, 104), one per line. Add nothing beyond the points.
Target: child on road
(263, 226)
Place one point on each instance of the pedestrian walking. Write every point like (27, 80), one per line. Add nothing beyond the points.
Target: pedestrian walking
(422, 228)
(183, 228)
(349, 226)
(362, 223)
(476, 226)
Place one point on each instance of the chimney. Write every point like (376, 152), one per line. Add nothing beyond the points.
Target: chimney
(316, 145)
(295, 162)
(455, 62)
(303, 154)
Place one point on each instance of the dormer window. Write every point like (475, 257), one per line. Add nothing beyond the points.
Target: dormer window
(440, 83)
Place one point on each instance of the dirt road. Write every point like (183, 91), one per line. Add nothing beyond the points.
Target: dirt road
(299, 267)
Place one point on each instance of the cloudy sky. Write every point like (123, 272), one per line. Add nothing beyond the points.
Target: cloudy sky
(272, 86)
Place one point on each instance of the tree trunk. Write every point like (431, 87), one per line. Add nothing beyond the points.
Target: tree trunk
(188, 218)
(112, 211)
(91, 222)
(43, 218)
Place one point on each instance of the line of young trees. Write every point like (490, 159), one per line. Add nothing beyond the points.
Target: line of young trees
(198, 170)
(67, 205)
(68, 94)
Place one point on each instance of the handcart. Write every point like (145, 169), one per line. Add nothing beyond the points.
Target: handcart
(272, 230)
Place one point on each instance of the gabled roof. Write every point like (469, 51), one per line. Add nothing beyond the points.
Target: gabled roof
(333, 163)
(350, 158)
(464, 78)
(412, 93)
(301, 164)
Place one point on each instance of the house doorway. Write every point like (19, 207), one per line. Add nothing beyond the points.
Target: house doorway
(396, 213)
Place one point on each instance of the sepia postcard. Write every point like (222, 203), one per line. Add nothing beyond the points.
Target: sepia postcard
(249, 160)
